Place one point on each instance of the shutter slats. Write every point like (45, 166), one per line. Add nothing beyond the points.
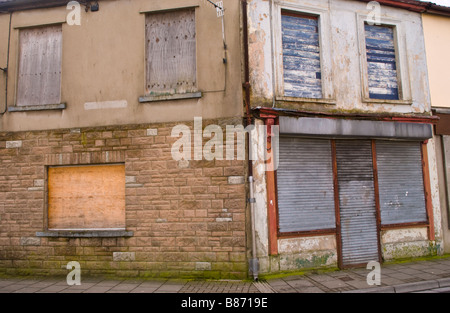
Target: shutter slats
(359, 234)
(400, 178)
(305, 185)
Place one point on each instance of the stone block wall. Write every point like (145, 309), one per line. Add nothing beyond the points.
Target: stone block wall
(187, 217)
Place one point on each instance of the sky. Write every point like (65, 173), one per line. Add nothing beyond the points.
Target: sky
(441, 2)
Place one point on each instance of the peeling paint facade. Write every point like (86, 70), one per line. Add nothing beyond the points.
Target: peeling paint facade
(345, 96)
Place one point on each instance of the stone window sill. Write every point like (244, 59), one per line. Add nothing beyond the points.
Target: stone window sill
(307, 100)
(28, 108)
(113, 233)
(179, 96)
(393, 102)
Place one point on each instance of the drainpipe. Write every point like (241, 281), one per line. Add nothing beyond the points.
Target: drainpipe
(5, 70)
(254, 264)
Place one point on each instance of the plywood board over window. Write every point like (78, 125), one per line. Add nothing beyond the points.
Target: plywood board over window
(171, 66)
(86, 197)
(39, 74)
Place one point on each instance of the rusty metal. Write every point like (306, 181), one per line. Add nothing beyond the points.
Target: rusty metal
(406, 118)
(271, 198)
(336, 204)
(311, 233)
(377, 197)
(427, 186)
(443, 126)
(405, 225)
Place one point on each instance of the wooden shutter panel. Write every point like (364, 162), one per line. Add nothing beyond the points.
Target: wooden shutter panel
(381, 62)
(305, 185)
(301, 56)
(171, 52)
(39, 81)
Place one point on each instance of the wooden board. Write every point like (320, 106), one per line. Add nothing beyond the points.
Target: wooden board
(301, 56)
(39, 79)
(382, 62)
(171, 52)
(86, 197)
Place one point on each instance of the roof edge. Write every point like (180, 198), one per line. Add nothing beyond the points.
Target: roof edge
(22, 5)
(416, 6)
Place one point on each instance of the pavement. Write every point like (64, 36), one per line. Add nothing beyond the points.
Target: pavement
(424, 276)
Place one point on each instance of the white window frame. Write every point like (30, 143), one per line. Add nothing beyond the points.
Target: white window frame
(403, 74)
(323, 15)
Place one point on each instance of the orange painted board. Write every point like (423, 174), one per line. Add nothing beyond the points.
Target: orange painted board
(86, 197)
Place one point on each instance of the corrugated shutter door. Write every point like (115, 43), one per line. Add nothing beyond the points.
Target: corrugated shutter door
(305, 185)
(400, 179)
(301, 56)
(359, 234)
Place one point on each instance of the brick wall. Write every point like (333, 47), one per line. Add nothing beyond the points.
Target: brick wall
(188, 218)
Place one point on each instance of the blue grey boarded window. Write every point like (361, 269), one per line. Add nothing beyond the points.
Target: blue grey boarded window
(381, 62)
(301, 55)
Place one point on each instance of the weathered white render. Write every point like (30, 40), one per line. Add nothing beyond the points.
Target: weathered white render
(345, 91)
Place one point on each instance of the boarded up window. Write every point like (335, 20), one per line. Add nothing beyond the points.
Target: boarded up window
(305, 185)
(381, 62)
(171, 52)
(400, 179)
(86, 197)
(39, 81)
(301, 56)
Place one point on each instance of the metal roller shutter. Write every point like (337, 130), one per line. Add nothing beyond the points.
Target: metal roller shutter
(400, 179)
(359, 234)
(305, 185)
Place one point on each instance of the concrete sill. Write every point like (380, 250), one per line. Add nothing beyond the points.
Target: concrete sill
(28, 108)
(85, 234)
(179, 96)
(307, 100)
(392, 102)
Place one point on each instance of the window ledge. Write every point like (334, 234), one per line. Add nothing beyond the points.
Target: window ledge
(393, 102)
(44, 107)
(307, 100)
(178, 96)
(85, 233)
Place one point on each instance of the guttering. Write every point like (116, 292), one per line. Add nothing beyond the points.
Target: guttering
(410, 5)
(416, 6)
(438, 10)
(21, 5)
